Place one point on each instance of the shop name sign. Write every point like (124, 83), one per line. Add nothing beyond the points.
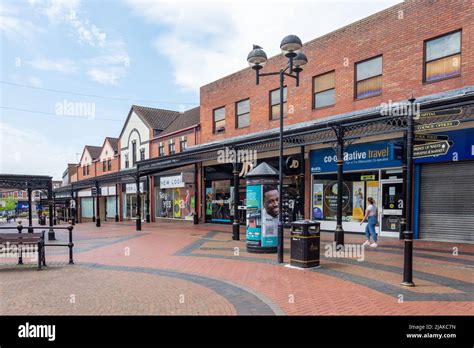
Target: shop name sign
(360, 156)
(171, 181)
(437, 125)
(431, 149)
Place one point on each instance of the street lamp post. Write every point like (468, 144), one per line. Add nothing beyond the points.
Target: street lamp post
(257, 58)
(408, 233)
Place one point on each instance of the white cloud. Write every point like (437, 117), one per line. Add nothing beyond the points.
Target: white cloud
(105, 76)
(15, 28)
(25, 151)
(208, 41)
(62, 65)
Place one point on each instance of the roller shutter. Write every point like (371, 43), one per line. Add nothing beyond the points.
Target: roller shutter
(447, 201)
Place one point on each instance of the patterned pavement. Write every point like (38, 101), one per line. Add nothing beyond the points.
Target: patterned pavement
(182, 269)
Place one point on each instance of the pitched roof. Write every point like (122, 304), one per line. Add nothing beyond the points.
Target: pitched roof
(158, 119)
(94, 151)
(184, 120)
(113, 142)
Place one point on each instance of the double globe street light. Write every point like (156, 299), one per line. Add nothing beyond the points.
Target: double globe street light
(257, 58)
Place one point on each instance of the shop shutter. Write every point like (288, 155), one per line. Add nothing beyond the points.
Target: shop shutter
(446, 201)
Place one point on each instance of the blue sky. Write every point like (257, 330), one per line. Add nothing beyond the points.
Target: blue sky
(153, 53)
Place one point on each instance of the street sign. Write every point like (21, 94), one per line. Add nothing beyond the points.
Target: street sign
(437, 125)
(94, 191)
(431, 149)
(430, 137)
(438, 113)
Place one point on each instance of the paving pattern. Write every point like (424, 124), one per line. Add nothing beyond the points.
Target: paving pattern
(183, 269)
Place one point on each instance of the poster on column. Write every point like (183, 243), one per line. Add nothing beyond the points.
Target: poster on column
(358, 200)
(254, 211)
(373, 190)
(318, 202)
(270, 215)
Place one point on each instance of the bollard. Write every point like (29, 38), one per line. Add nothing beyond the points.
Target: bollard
(70, 244)
(19, 227)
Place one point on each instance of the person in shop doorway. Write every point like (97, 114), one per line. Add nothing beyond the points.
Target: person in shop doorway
(371, 218)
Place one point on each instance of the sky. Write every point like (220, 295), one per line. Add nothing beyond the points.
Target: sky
(71, 69)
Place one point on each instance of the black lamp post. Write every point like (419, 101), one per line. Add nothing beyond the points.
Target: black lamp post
(257, 58)
(408, 233)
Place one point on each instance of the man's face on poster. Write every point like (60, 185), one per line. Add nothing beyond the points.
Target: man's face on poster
(271, 202)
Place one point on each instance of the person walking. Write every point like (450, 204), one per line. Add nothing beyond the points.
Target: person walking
(371, 218)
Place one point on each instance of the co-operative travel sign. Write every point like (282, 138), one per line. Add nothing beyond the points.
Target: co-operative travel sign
(361, 156)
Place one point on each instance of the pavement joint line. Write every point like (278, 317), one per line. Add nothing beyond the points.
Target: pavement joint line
(245, 301)
(465, 287)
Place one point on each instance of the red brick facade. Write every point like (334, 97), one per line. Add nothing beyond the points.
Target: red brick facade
(398, 34)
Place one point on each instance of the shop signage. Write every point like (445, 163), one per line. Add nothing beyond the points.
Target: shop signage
(132, 188)
(360, 156)
(293, 165)
(367, 177)
(462, 148)
(171, 181)
(431, 149)
(437, 113)
(72, 204)
(437, 125)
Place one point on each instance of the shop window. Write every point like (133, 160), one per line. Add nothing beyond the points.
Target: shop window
(275, 103)
(175, 203)
(442, 57)
(219, 120)
(357, 187)
(368, 78)
(324, 91)
(218, 201)
(242, 112)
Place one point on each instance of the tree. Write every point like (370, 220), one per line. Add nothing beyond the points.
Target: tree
(10, 204)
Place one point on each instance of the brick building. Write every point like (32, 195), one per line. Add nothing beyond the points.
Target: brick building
(358, 74)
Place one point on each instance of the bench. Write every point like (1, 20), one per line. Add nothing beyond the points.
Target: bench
(20, 240)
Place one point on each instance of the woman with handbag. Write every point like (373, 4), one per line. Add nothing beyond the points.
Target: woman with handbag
(371, 218)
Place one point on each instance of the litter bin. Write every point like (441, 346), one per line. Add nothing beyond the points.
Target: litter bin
(305, 244)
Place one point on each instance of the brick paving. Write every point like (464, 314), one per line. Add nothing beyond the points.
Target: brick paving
(182, 269)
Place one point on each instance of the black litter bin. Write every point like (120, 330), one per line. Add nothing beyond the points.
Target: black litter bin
(305, 244)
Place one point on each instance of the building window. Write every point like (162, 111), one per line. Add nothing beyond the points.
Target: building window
(242, 112)
(134, 153)
(324, 90)
(275, 103)
(172, 147)
(369, 78)
(87, 170)
(104, 166)
(442, 57)
(219, 120)
(84, 170)
(126, 161)
(142, 154)
(184, 143)
(161, 149)
(109, 165)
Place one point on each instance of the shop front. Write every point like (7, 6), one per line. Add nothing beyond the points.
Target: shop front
(175, 196)
(444, 190)
(219, 189)
(370, 170)
(108, 202)
(86, 205)
(129, 199)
